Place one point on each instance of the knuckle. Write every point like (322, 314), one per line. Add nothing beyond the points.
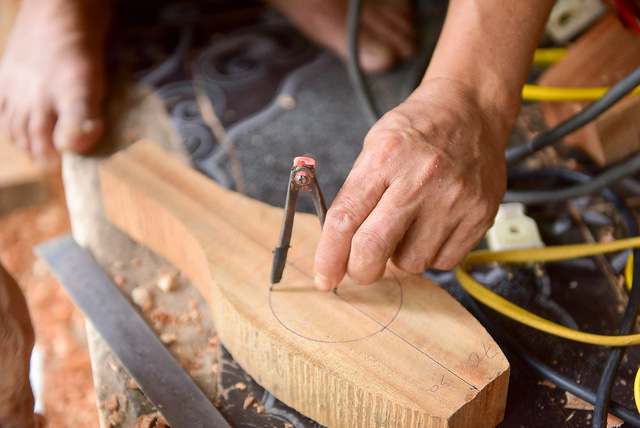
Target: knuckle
(342, 219)
(370, 245)
(446, 262)
(411, 263)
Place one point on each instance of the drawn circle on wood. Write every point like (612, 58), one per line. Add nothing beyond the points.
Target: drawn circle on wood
(353, 312)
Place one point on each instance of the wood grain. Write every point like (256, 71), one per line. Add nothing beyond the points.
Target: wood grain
(400, 353)
(601, 57)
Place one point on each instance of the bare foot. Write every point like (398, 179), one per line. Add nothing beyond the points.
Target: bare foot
(387, 32)
(52, 78)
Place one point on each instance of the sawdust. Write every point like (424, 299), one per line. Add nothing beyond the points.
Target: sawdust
(248, 402)
(69, 396)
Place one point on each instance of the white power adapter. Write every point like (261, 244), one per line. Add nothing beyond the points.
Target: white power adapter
(513, 229)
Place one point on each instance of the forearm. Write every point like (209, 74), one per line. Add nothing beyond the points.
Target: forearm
(488, 46)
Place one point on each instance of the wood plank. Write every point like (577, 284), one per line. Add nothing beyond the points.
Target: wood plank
(399, 353)
(601, 57)
(22, 182)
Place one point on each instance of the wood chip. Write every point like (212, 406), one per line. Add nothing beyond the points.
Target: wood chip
(548, 384)
(142, 297)
(241, 386)
(132, 384)
(119, 280)
(114, 366)
(576, 403)
(110, 404)
(286, 101)
(614, 422)
(168, 281)
(260, 408)
(115, 418)
(136, 262)
(248, 402)
(168, 338)
(146, 421)
(287, 425)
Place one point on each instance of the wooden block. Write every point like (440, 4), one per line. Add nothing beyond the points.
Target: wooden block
(22, 182)
(399, 353)
(601, 57)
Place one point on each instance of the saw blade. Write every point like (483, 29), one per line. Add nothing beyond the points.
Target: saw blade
(131, 340)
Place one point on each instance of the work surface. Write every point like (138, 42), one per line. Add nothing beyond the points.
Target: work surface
(268, 141)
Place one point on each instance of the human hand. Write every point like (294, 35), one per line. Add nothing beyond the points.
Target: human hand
(423, 191)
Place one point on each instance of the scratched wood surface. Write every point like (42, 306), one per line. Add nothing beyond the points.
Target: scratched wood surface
(399, 353)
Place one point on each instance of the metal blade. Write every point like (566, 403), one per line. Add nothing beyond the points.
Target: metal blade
(131, 340)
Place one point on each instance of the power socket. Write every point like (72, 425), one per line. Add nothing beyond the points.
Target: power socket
(513, 229)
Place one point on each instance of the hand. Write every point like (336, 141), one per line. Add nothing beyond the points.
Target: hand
(423, 191)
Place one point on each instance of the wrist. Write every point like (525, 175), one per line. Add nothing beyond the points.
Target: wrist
(467, 100)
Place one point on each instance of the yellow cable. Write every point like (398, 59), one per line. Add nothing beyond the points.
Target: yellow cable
(548, 56)
(561, 252)
(636, 389)
(550, 93)
(628, 272)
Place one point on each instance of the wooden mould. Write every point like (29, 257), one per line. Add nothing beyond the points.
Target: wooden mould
(399, 353)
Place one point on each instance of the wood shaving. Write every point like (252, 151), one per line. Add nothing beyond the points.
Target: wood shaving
(613, 422)
(111, 404)
(143, 298)
(287, 425)
(168, 281)
(132, 384)
(248, 402)
(146, 421)
(119, 280)
(241, 386)
(115, 418)
(260, 408)
(576, 403)
(114, 366)
(548, 384)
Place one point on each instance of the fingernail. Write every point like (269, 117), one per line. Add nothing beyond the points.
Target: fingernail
(322, 282)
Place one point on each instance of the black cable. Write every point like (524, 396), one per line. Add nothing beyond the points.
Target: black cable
(365, 98)
(603, 396)
(531, 197)
(592, 111)
(543, 370)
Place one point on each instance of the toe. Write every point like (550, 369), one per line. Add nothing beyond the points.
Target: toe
(18, 130)
(79, 124)
(40, 128)
(375, 56)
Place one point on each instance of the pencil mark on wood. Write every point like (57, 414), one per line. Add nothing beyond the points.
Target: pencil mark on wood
(367, 310)
(488, 352)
